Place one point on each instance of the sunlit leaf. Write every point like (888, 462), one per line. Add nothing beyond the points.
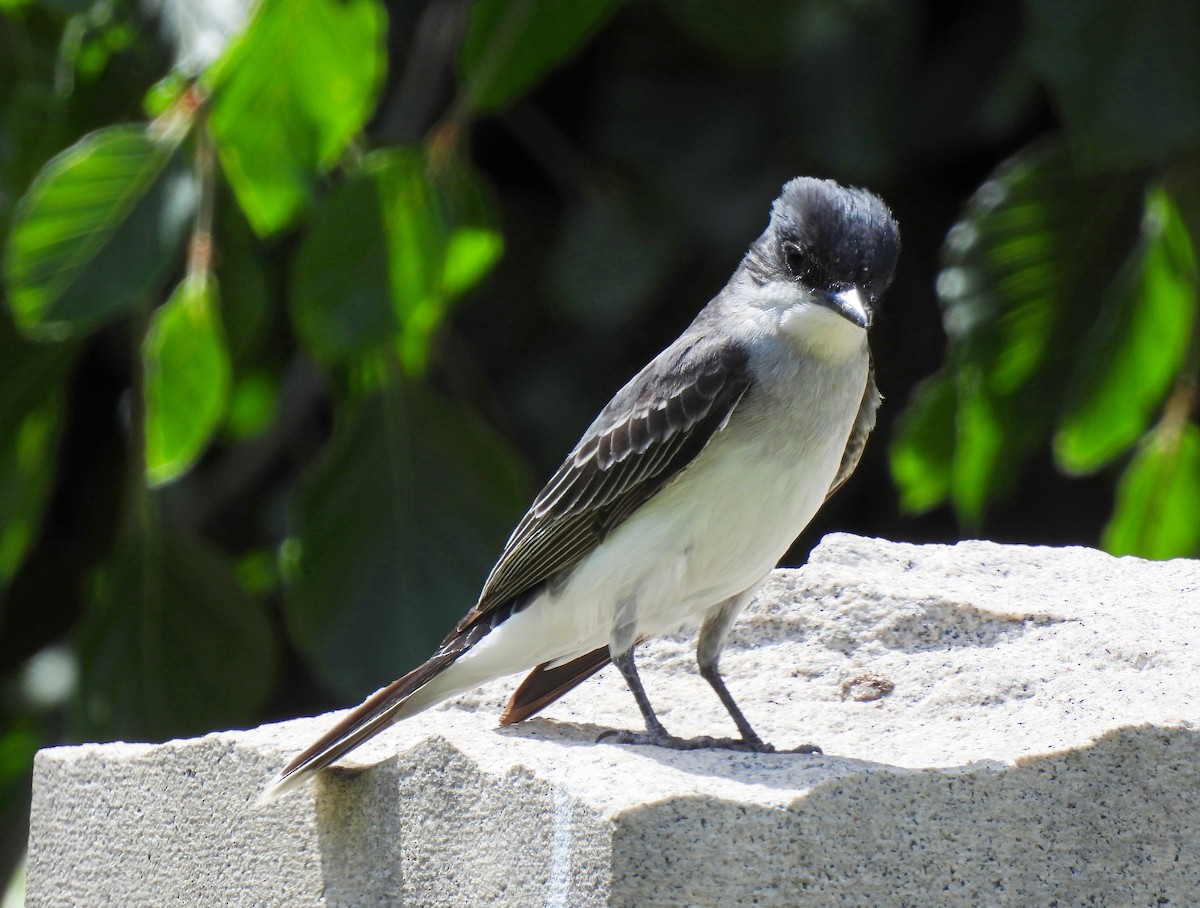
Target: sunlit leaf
(186, 378)
(1158, 498)
(442, 237)
(1026, 263)
(471, 251)
(164, 94)
(288, 97)
(922, 452)
(473, 241)
(1025, 271)
(1134, 350)
(395, 533)
(1126, 76)
(97, 231)
(171, 644)
(510, 44)
(389, 252)
(987, 445)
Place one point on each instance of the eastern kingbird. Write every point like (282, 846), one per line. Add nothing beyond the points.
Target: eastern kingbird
(686, 490)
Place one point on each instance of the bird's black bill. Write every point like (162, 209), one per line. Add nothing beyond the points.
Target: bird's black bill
(848, 303)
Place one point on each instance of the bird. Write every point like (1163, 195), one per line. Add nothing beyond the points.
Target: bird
(684, 492)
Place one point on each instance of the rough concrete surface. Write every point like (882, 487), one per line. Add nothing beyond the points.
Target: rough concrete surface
(1002, 725)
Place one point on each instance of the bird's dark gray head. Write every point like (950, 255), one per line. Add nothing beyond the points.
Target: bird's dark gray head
(829, 239)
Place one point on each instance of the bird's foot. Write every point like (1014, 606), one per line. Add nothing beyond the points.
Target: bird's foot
(700, 742)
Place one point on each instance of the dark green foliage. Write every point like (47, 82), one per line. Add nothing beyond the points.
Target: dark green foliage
(1024, 273)
(171, 643)
(251, 429)
(1070, 294)
(1125, 75)
(509, 44)
(383, 548)
(388, 252)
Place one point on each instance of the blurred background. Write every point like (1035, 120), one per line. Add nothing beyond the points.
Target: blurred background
(303, 299)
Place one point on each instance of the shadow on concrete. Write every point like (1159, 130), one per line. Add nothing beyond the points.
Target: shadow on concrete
(1114, 823)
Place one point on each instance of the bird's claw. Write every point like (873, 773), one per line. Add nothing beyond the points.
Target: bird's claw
(701, 742)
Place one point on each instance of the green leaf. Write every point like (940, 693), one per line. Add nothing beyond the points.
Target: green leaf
(289, 96)
(1135, 349)
(989, 442)
(922, 451)
(253, 405)
(31, 400)
(248, 291)
(1027, 261)
(510, 44)
(164, 94)
(470, 226)
(1126, 76)
(171, 644)
(1158, 498)
(387, 255)
(394, 534)
(26, 475)
(1024, 272)
(442, 236)
(258, 572)
(341, 294)
(186, 378)
(98, 230)
(19, 741)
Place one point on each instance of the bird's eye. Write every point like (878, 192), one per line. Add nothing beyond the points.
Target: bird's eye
(802, 266)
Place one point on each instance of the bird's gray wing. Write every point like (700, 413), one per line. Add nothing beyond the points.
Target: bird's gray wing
(864, 422)
(652, 429)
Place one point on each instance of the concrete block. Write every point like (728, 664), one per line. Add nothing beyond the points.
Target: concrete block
(1002, 725)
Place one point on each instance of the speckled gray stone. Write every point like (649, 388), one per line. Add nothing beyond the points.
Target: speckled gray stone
(1002, 725)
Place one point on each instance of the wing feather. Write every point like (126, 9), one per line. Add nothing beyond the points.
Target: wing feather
(864, 422)
(647, 435)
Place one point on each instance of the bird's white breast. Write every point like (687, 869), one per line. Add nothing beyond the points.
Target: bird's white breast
(727, 519)
(711, 533)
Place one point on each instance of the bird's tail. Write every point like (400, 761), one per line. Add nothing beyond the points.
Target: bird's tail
(375, 714)
(549, 681)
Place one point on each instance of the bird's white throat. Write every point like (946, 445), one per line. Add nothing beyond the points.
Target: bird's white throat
(812, 328)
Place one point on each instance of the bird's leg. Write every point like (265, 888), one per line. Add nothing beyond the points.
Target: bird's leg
(750, 740)
(655, 733)
(658, 736)
(713, 632)
(710, 674)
